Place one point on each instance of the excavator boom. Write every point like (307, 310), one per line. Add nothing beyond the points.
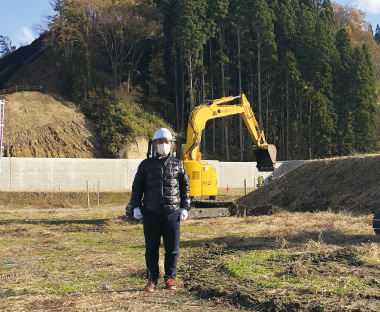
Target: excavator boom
(265, 153)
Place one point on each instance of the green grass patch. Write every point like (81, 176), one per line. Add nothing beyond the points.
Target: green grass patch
(348, 286)
(335, 284)
(192, 243)
(282, 269)
(17, 241)
(263, 267)
(69, 287)
(132, 282)
(197, 229)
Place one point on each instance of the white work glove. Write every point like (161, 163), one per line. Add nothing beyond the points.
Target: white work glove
(183, 215)
(137, 213)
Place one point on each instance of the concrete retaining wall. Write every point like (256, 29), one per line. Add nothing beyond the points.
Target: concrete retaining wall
(65, 174)
(69, 174)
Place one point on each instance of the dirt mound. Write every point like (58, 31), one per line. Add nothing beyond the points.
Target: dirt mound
(340, 184)
(40, 125)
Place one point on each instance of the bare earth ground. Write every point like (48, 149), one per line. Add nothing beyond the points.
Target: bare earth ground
(43, 125)
(94, 261)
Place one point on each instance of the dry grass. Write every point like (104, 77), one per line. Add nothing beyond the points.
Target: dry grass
(339, 184)
(94, 261)
(49, 200)
(55, 200)
(79, 261)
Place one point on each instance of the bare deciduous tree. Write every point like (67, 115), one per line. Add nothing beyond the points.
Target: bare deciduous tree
(6, 46)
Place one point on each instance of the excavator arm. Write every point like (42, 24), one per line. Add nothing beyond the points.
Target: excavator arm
(265, 153)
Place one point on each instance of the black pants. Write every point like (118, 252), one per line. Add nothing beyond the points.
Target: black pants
(155, 226)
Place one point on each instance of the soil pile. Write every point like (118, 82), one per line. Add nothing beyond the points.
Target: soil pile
(340, 184)
(40, 125)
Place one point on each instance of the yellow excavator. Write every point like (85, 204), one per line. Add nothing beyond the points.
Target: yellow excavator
(202, 176)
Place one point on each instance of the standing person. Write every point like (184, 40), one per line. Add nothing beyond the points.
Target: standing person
(260, 181)
(160, 196)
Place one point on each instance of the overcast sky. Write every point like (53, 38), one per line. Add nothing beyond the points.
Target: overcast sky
(19, 18)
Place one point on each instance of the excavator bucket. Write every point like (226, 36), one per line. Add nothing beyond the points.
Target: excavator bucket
(266, 158)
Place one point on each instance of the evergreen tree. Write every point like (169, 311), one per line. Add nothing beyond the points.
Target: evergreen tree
(287, 78)
(343, 88)
(190, 34)
(364, 100)
(377, 34)
(265, 45)
(238, 21)
(322, 126)
(321, 63)
(294, 118)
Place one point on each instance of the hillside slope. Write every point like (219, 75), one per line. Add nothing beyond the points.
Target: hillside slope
(10, 64)
(40, 125)
(340, 184)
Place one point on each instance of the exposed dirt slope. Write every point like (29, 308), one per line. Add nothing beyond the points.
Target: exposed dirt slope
(349, 184)
(40, 125)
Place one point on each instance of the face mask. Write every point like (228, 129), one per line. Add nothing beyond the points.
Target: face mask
(163, 149)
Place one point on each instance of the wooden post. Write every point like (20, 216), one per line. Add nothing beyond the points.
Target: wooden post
(88, 196)
(98, 195)
(245, 187)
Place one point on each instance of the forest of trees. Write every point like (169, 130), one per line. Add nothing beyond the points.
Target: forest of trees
(308, 68)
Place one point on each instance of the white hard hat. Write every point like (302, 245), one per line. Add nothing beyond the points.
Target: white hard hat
(163, 133)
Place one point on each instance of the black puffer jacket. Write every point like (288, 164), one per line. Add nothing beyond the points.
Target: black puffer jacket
(164, 184)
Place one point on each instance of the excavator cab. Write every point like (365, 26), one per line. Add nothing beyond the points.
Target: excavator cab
(178, 147)
(266, 158)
